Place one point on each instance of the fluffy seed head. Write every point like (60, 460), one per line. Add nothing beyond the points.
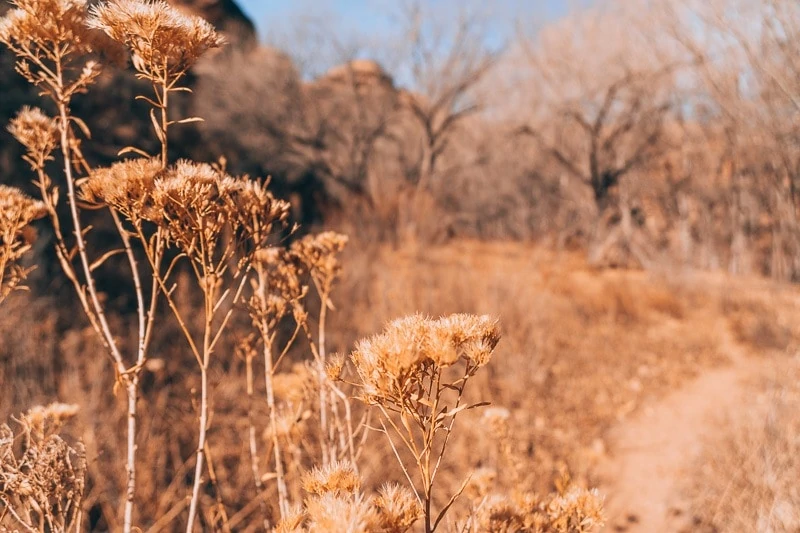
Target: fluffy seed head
(388, 362)
(38, 25)
(499, 514)
(576, 510)
(17, 210)
(161, 39)
(35, 131)
(292, 522)
(47, 420)
(318, 252)
(398, 508)
(344, 513)
(127, 186)
(339, 478)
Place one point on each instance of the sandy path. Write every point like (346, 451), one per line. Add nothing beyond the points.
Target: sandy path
(652, 453)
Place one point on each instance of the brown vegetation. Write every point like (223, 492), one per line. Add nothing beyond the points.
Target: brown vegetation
(206, 347)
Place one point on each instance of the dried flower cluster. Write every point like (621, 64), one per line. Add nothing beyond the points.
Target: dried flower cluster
(334, 504)
(163, 42)
(192, 202)
(34, 25)
(17, 211)
(51, 41)
(408, 372)
(277, 287)
(574, 511)
(41, 484)
(37, 132)
(390, 365)
(127, 186)
(338, 477)
(398, 508)
(319, 255)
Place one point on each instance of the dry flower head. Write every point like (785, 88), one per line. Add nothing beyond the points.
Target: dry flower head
(36, 132)
(17, 211)
(126, 186)
(43, 482)
(277, 287)
(498, 514)
(577, 510)
(36, 25)
(339, 478)
(318, 253)
(398, 508)
(163, 42)
(341, 513)
(293, 521)
(390, 362)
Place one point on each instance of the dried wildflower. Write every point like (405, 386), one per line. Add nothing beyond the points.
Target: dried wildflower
(44, 482)
(498, 514)
(256, 209)
(338, 477)
(475, 337)
(340, 513)
(292, 522)
(126, 186)
(51, 40)
(409, 372)
(195, 202)
(318, 254)
(17, 211)
(163, 41)
(389, 363)
(36, 132)
(47, 420)
(276, 286)
(398, 508)
(37, 25)
(576, 511)
(335, 367)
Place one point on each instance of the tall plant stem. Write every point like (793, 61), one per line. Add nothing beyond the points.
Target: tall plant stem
(131, 385)
(203, 419)
(269, 372)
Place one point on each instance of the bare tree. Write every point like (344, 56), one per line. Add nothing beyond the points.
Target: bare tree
(446, 64)
(748, 77)
(602, 104)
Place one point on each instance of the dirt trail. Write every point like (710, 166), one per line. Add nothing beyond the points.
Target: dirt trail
(653, 452)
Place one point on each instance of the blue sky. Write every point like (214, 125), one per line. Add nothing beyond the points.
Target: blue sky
(368, 16)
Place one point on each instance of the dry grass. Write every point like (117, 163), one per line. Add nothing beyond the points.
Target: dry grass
(747, 477)
(181, 435)
(582, 348)
(203, 242)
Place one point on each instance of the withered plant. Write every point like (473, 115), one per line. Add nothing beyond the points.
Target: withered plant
(194, 219)
(54, 45)
(54, 42)
(279, 288)
(415, 373)
(17, 211)
(41, 476)
(335, 503)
